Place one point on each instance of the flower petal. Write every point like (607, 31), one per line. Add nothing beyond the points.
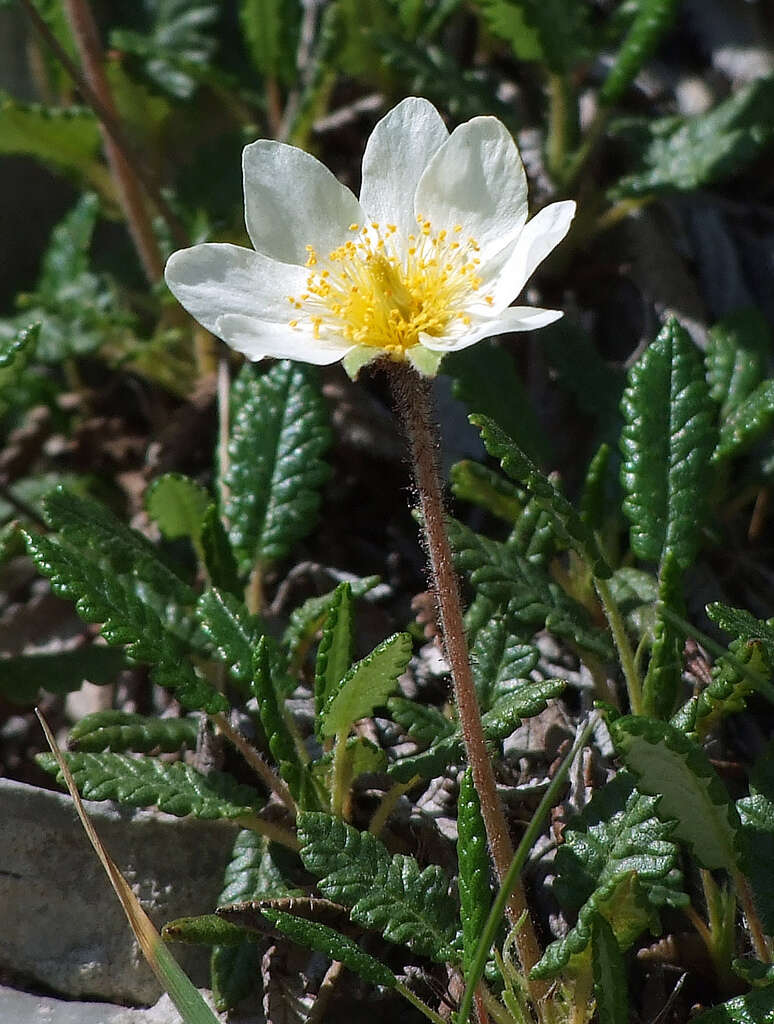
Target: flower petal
(216, 278)
(476, 179)
(539, 237)
(396, 154)
(292, 200)
(515, 318)
(258, 339)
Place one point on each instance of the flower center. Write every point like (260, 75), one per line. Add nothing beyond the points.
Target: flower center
(380, 290)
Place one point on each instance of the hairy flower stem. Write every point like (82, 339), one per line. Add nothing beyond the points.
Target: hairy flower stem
(412, 395)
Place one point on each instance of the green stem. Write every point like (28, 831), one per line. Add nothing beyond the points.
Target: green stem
(340, 774)
(760, 942)
(273, 832)
(514, 872)
(558, 125)
(625, 653)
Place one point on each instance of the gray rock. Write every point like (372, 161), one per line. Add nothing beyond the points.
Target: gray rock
(24, 1008)
(63, 926)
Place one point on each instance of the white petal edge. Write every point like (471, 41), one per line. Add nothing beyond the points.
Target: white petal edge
(216, 278)
(396, 155)
(476, 179)
(258, 339)
(515, 318)
(540, 236)
(292, 200)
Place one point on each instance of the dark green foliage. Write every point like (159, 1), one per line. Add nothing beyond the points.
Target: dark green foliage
(333, 944)
(755, 1008)
(177, 47)
(486, 488)
(749, 422)
(422, 722)
(609, 967)
(594, 504)
(121, 730)
(501, 662)
(652, 21)
(566, 522)
(619, 861)
(474, 868)
(231, 630)
(663, 682)
(23, 677)
(178, 504)
(206, 930)
(216, 552)
(309, 617)
(274, 720)
(687, 153)
(337, 647)
(16, 353)
(666, 444)
(757, 836)
(534, 534)
(147, 782)
(270, 29)
(280, 433)
(670, 765)
(389, 894)
(553, 33)
(737, 349)
(126, 619)
(487, 381)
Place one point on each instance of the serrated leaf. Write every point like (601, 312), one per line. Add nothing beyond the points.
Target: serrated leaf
(386, 893)
(501, 662)
(652, 20)
(534, 535)
(754, 972)
(749, 422)
(474, 867)
(15, 355)
(486, 488)
(231, 630)
(619, 861)
(24, 676)
(218, 557)
(122, 730)
(566, 522)
(663, 681)
(684, 154)
(309, 617)
(594, 502)
(736, 357)
(422, 722)
(668, 764)
(112, 601)
(175, 788)
(205, 930)
(610, 989)
(553, 33)
(666, 443)
(754, 1008)
(275, 724)
(730, 687)
(178, 505)
(279, 436)
(366, 686)
(334, 945)
(487, 382)
(337, 647)
(757, 816)
(358, 757)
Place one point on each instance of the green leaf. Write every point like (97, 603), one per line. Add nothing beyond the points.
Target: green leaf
(534, 535)
(487, 382)
(122, 730)
(666, 444)
(231, 630)
(174, 788)
(310, 617)
(273, 718)
(322, 939)
(15, 355)
(610, 989)
(217, 554)
(566, 522)
(279, 436)
(618, 861)
(111, 600)
(178, 505)
(754, 972)
(754, 1008)
(473, 859)
(66, 138)
(749, 422)
(366, 686)
(482, 486)
(422, 722)
(757, 844)
(594, 504)
(668, 764)
(554, 33)
(736, 357)
(663, 684)
(684, 154)
(653, 19)
(731, 685)
(24, 676)
(270, 29)
(386, 893)
(501, 662)
(337, 647)
(206, 930)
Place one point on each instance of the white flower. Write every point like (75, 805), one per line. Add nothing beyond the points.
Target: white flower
(426, 262)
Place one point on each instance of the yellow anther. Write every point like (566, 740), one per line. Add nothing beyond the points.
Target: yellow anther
(354, 227)
(294, 323)
(457, 228)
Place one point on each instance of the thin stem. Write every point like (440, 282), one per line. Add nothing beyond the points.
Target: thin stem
(558, 124)
(340, 775)
(514, 871)
(274, 783)
(271, 830)
(388, 802)
(109, 122)
(759, 940)
(625, 653)
(224, 427)
(420, 1005)
(413, 399)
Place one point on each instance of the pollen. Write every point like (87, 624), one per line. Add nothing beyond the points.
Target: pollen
(387, 290)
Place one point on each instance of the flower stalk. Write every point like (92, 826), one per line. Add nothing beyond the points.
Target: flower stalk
(412, 394)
